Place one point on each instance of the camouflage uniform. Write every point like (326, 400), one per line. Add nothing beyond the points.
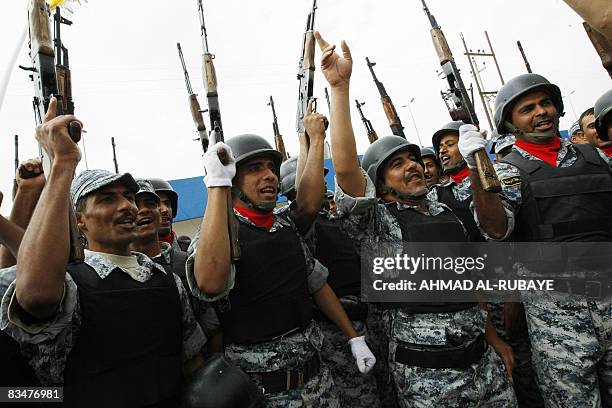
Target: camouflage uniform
(484, 384)
(48, 344)
(354, 388)
(286, 352)
(461, 191)
(571, 336)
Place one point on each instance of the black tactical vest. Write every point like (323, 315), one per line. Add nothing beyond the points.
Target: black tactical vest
(128, 350)
(562, 204)
(178, 259)
(461, 210)
(270, 295)
(418, 227)
(336, 251)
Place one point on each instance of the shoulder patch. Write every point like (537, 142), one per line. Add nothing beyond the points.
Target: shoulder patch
(511, 181)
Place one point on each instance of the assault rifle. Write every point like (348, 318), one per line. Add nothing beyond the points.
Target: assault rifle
(114, 156)
(210, 84)
(372, 136)
(458, 102)
(328, 103)
(306, 70)
(394, 121)
(194, 105)
(278, 138)
(51, 76)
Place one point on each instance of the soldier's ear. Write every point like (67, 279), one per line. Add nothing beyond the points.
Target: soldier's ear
(80, 218)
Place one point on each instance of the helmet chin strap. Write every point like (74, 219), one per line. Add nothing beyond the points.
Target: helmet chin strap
(534, 137)
(384, 189)
(263, 208)
(455, 168)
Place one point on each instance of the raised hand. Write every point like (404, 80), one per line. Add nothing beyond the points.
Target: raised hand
(54, 137)
(315, 123)
(337, 69)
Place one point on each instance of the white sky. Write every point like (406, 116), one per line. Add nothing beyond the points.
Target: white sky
(128, 82)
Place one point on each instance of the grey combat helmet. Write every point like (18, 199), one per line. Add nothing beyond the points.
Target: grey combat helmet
(249, 146)
(450, 127)
(381, 150)
(602, 108)
(162, 186)
(427, 152)
(287, 175)
(516, 88)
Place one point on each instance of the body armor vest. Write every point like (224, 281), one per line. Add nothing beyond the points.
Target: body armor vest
(128, 351)
(418, 227)
(270, 297)
(563, 204)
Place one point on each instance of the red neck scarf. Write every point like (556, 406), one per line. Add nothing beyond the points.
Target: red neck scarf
(168, 238)
(546, 152)
(607, 150)
(459, 176)
(257, 218)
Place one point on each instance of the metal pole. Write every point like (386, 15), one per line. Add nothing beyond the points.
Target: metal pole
(474, 74)
(16, 152)
(494, 58)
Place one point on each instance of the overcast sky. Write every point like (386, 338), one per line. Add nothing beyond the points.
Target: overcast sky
(128, 82)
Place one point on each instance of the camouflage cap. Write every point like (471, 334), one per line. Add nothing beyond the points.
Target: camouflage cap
(146, 188)
(575, 128)
(88, 181)
(504, 141)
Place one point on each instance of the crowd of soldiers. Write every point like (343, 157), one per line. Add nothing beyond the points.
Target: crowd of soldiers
(151, 320)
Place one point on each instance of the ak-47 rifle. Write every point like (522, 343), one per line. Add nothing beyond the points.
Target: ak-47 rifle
(16, 165)
(51, 76)
(194, 105)
(328, 103)
(394, 121)
(306, 70)
(210, 83)
(372, 136)
(458, 102)
(520, 47)
(115, 156)
(278, 138)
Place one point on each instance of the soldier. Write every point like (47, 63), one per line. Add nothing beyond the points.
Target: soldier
(546, 197)
(457, 191)
(577, 134)
(603, 121)
(502, 145)
(107, 328)
(432, 167)
(168, 209)
(331, 202)
(287, 178)
(386, 202)
(264, 299)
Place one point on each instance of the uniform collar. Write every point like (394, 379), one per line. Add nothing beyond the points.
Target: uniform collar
(103, 266)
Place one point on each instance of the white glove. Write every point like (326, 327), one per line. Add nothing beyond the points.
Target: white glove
(471, 140)
(364, 358)
(217, 174)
